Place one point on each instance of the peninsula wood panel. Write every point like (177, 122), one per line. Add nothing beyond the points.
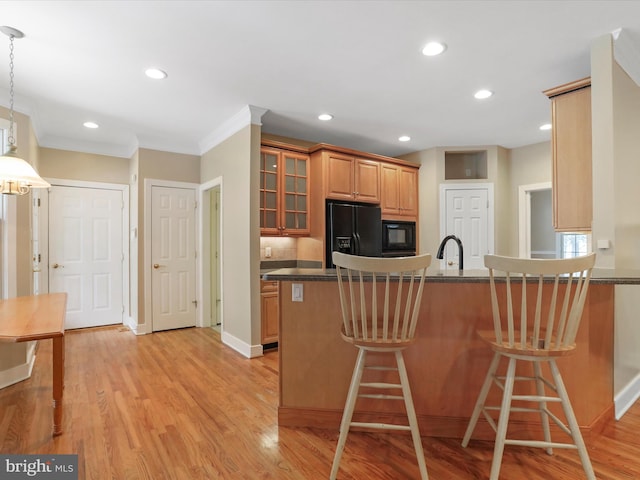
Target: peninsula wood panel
(446, 365)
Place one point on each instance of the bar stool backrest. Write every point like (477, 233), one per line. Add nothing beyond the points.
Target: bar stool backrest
(547, 318)
(380, 297)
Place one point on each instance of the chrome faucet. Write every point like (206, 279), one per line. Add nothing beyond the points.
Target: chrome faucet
(440, 254)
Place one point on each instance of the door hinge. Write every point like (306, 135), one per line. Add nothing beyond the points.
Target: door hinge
(195, 302)
(36, 202)
(123, 309)
(195, 205)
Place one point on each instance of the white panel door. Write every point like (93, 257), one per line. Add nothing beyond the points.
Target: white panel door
(173, 258)
(467, 218)
(85, 253)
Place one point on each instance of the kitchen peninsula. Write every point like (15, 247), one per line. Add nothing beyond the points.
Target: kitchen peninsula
(447, 363)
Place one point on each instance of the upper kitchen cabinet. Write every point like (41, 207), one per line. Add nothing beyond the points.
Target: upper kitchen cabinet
(284, 191)
(399, 198)
(571, 153)
(351, 178)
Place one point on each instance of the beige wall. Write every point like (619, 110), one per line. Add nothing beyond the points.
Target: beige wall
(603, 155)
(530, 164)
(88, 167)
(615, 106)
(432, 175)
(616, 163)
(234, 161)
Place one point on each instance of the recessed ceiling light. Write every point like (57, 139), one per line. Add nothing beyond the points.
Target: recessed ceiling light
(155, 73)
(546, 126)
(432, 49)
(91, 124)
(325, 117)
(482, 94)
(404, 138)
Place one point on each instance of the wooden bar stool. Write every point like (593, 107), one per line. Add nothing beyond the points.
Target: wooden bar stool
(552, 294)
(380, 300)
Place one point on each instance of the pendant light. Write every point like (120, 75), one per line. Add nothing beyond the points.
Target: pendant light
(17, 177)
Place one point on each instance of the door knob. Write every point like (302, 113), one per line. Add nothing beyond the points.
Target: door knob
(156, 265)
(55, 265)
(449, 263)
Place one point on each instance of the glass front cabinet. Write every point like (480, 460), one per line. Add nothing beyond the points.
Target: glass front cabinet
(284, 192)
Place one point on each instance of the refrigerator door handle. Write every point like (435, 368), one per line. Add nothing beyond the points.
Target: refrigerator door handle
(356, 237)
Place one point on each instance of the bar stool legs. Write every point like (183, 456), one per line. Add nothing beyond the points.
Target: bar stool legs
(352, 396)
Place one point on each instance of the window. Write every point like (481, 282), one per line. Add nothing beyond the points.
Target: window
(574, 244)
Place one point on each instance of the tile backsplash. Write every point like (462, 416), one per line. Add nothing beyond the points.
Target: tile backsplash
(281, 248)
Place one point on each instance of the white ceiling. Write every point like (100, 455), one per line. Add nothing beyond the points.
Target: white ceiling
(358, 60)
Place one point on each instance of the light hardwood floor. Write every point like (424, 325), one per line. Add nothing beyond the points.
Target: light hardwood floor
(180, 405)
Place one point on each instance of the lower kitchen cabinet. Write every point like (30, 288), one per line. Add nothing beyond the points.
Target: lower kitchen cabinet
(269, 311)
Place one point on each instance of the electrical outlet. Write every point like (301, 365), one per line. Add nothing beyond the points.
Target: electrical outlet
(267, 252)
(297, 292)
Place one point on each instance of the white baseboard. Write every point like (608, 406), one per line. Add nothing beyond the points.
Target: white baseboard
(627, 397)
(136, 328)
(249, 351)
(19, 372)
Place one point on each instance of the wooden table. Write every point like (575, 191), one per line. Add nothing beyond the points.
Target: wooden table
(39, 317)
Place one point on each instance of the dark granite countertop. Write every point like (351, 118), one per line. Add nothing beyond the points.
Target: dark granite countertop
(268, 266)
(599, 275)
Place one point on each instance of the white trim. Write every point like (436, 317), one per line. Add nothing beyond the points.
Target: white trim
(149, 183)
(524, 216)
(19, 372)
(44, 231)
(249, 115)
(249, 351)
(627, 397)
(444, 187)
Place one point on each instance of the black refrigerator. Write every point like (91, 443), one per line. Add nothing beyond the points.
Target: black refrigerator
(353, 228)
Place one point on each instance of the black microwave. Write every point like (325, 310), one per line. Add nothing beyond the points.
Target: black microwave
(398, 238)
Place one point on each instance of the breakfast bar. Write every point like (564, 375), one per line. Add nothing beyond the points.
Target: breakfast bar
(447, 363)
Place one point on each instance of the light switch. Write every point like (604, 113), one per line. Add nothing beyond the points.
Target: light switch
(296, 292)
(603, 244)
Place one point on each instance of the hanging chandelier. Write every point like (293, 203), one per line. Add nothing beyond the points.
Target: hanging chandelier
(17, 176)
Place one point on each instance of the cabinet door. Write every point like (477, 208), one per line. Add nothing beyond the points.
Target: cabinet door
(294, 211)
(269, 312)
(389, 195)
(269, 181)
(399, 192)
(572, 187)
(340, 180)
(367, 180)
(408, 192)
(284, 192)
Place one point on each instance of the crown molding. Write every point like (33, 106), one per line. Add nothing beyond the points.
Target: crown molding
(626, 54)
(249, 115)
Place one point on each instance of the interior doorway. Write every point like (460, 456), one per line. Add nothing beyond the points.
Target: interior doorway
(211, 261)
(215, 299)
(536, 236)
(81, 249)
(467, 212)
